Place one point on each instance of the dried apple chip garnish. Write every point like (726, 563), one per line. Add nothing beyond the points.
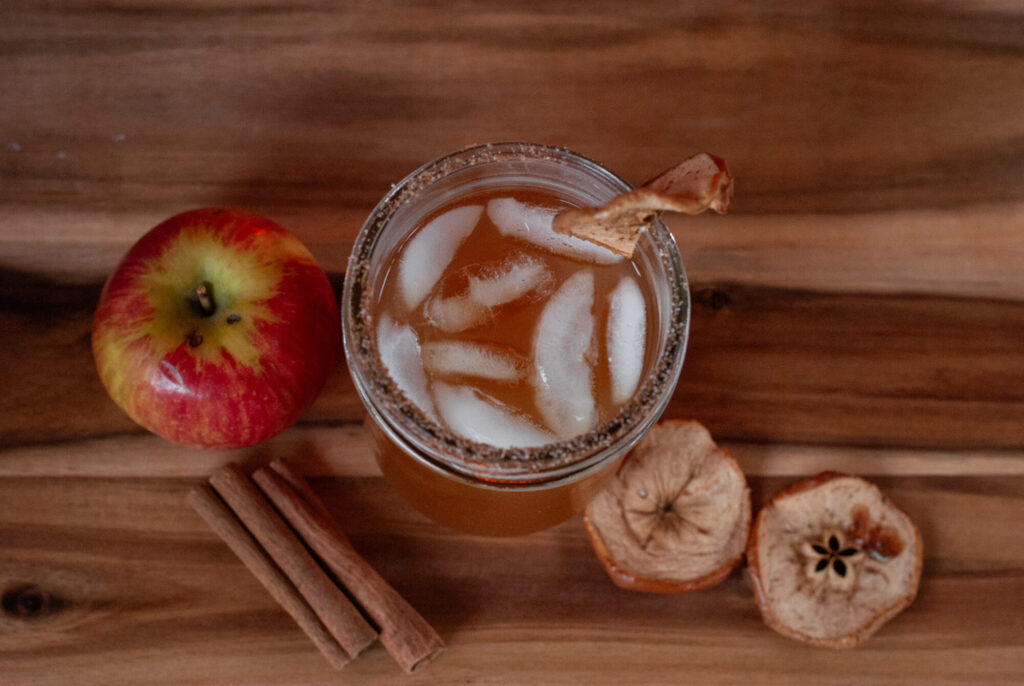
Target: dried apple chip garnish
(700, 183)
(675, 517)
(832, 560)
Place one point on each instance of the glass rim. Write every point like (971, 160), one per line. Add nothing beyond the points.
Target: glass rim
(430, 441)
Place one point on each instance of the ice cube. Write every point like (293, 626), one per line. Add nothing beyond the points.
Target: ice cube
(477, 416)
(533, 224)
(626, 337)
(428, 253)
(483, 360)
(563, 378)
(456, 313)
(485, 287)
(509, 281)
(400, 352)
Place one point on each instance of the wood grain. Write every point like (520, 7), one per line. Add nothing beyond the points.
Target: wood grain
(344, 451)
(852, 368)
(126, 564)
(861, 308)
(308, 114)
(762, 364)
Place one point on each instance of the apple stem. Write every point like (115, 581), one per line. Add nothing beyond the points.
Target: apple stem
(205, 296)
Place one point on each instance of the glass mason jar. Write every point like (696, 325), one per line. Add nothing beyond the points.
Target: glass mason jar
(470, 486)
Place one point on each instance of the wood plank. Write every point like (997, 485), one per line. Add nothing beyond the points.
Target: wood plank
(62, 397)
(345, 451)
(308, 115)
(271, 86)
(971, 251)
(763, 364)
(766, 364)
(132, 581)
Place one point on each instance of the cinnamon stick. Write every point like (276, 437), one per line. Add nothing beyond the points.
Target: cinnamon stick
(299, 484)
(338, 614)
(406, 635)
(230, 530)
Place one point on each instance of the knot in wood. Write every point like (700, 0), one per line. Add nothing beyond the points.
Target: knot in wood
(712, 298)
(28, 601)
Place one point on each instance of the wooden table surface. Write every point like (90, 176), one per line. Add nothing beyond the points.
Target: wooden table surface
(861, 308)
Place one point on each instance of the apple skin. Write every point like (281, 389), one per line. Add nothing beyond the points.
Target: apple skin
(237, 372)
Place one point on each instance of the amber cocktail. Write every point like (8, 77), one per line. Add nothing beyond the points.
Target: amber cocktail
(506, 368)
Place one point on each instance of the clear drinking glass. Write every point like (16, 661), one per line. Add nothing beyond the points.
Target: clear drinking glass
(469, 486)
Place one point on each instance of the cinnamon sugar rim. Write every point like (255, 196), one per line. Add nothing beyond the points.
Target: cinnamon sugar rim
(432, 441)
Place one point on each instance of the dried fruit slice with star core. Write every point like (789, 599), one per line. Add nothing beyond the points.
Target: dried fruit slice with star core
(832, 560)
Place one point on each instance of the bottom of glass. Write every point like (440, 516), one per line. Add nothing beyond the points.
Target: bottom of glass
(483, 509)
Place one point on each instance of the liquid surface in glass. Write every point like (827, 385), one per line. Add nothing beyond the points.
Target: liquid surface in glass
(506, 332)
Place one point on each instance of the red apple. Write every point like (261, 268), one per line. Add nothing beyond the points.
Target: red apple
(217, 329)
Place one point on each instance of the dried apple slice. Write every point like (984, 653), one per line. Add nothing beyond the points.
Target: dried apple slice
(832, 560)
(700, 183)
(676, 516)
